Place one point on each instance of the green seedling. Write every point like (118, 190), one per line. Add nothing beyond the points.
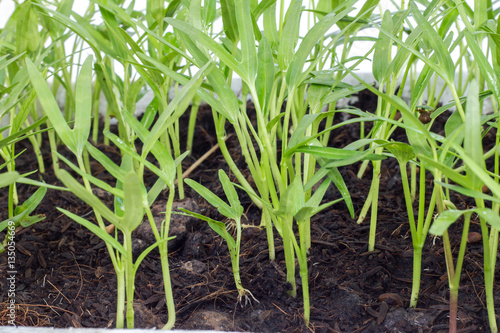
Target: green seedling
(439, 228)
(419, 229)
(22, 214)
(234, 212)
(293, 206)
(126, 219)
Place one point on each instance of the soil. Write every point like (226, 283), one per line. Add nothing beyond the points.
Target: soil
(65, 277)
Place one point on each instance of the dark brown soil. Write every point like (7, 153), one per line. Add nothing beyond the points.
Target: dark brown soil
(65, 277)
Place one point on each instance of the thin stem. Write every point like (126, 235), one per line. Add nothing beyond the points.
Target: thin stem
(266, 219)
(287, 235)
(192, 123)
(169, 296)
(120, 297)
(129, 278)
(489, 271)
(374, 189)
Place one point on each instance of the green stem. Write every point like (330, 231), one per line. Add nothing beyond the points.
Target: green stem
(169, 295)
(95, 101)
(417, 271)
(417, 247)
(120, 297)
(38, 153)
(192, 123)
(453, 310)
(12, 188)
(374, 189)
(305, 285)
(289, 253)
(266, 219)
(129, 278)
(53, 149)
(366, 207)
(413, 191)
(489, 271)
(235, 260)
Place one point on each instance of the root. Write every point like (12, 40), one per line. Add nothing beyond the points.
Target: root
(247, 296)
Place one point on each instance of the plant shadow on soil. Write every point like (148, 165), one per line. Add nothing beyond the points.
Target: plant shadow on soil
(65, 277)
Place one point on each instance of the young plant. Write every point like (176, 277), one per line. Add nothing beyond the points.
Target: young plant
(233, 211)
(22, 213)
(439, 228)
(126, 218)
(476, 177)
(419, 229)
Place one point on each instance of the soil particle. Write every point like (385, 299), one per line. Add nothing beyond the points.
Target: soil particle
(210, 320)
(194, 267)
(145, 318)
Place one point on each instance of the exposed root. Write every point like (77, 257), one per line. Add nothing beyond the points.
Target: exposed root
(243, 295)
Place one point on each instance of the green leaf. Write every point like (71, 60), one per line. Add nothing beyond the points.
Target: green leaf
(29, 220)
(50, 106)
(473, 145)
(88, 197)
(162, 155)
(436, 42)
(298, 133)
(83, 106)
(217, 226)
(229, 22)
(134, 201)
(106, 162)
(448, 217)
(295, 75)
(445, 219)
(403, 152)
(246, 35)
(150, 248)
(214, 200)
(331, 153)
(453, 123)
(468, 192)
(293, 199)
(336, 177)
(96, 231)
(490, 216)
(316, 95)
(265, 73)
(8, 178)
(33, 182)
(270, 27)
(289, 35)
(31, 203)
(167, 176)
(174, 109)
(382, 54)
(105, 186)
(205, 40)
(231, 194)
(274, 121)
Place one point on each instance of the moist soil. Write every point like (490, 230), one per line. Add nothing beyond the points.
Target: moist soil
(65, 277)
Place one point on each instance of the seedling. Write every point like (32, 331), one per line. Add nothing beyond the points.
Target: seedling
(234, 212)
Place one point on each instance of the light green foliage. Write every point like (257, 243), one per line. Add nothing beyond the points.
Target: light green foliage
(294, 81)
(233, 211)
(75, 138)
